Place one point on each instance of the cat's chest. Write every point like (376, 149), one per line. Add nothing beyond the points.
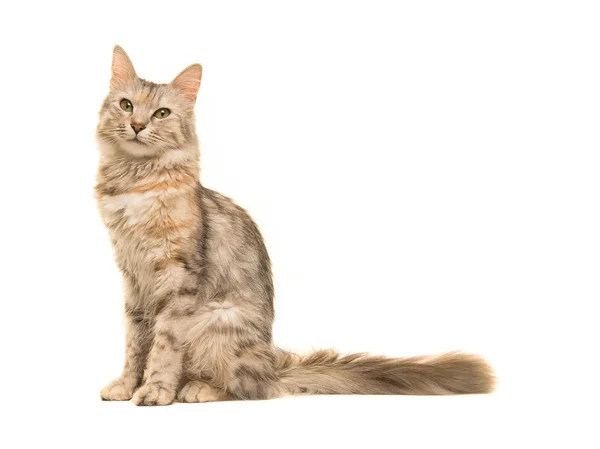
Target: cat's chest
(148, 227)
(133, 210)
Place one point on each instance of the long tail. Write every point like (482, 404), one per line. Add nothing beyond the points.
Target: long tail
(327, 372)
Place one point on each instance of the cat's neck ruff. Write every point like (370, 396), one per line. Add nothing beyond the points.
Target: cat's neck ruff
(110, 154)
(171, 170)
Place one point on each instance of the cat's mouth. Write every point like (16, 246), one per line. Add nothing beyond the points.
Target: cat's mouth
(138, 141)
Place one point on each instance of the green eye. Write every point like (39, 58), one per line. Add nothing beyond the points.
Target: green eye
(162, 113)
(126, 105)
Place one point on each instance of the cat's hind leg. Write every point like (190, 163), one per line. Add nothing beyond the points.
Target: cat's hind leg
(231, 345)
(200, 391)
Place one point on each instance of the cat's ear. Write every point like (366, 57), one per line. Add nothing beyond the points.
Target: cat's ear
(188, 81)
(122, 68)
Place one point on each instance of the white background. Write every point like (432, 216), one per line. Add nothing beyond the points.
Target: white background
(426, 176)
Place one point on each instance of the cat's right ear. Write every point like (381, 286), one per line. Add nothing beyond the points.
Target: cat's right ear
(122, 68)
(188, 82)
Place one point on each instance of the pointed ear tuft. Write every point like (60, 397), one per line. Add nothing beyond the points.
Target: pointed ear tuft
(122, 68)
(188, 81)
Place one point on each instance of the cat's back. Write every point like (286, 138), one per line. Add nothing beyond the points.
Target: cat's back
(233, 244)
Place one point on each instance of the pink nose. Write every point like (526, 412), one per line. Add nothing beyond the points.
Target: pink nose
(137, 127)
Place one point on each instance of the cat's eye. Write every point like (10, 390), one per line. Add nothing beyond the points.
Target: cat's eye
(162, 113)
(126, 105)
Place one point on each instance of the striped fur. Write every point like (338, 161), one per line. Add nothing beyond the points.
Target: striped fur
(198, 286)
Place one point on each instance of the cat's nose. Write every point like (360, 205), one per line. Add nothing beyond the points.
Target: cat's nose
(137, 127)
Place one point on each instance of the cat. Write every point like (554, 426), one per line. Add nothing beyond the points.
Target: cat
(197, 275)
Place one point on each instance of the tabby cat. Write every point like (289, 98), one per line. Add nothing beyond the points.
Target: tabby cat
(198, 286)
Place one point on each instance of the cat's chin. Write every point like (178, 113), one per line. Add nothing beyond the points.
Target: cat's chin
(138, 149)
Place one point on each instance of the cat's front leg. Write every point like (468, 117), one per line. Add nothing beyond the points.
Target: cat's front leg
(139, 339)
(164, 368)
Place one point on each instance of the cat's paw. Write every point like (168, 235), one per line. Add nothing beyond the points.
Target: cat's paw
(154, 394)
(198, 391)
(120, 389)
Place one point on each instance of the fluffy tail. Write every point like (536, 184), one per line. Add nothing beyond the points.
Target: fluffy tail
(327, 372)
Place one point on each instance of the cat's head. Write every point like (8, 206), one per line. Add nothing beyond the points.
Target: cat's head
(143, 119)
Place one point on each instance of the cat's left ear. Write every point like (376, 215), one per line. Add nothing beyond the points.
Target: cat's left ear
(188, 81)
(122, 68)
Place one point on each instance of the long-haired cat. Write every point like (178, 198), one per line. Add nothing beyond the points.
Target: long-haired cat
(199, 292)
